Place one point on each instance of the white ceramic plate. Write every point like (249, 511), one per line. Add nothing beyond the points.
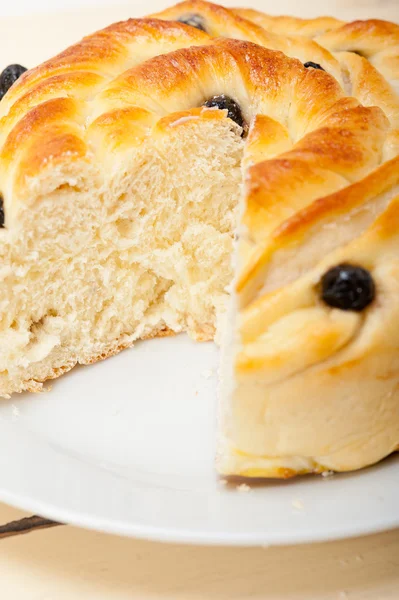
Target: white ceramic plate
(126, 446)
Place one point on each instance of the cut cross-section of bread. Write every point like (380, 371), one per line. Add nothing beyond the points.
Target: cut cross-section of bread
(128, 165)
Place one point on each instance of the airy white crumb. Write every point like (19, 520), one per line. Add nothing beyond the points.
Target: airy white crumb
(243, 488)
(207, 373)
(298, 504)
(327, 473)
(15, 411)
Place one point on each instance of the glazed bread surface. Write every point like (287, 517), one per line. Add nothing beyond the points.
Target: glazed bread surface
(363, 56)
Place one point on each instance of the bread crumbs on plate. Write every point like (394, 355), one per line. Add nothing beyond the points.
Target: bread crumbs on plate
(243, 487)
(327, 473)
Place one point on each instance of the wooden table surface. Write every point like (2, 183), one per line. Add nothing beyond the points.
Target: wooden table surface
(66, 563)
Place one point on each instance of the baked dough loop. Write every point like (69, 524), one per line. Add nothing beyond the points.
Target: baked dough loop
(122, 194)
(363, 56)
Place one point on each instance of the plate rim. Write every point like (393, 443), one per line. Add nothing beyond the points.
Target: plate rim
(30, 455)
(83, 520)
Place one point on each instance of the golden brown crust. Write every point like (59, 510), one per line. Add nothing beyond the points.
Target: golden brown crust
(222, 22)
(290, 25)
(43, 117)
(105, 53)
(82, 70)
(366, 37)
(363, 56)
(56, 131)
(330, 140)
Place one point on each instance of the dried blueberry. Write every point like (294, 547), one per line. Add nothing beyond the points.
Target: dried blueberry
(224, 102)
(1, 212)
(348, 287)
(10, 76)
(194, 21)
(313, 65)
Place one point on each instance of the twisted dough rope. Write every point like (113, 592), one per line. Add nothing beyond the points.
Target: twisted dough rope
(363, 56)
(365, 49)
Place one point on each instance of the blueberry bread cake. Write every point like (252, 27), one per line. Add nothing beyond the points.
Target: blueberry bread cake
(129, 164)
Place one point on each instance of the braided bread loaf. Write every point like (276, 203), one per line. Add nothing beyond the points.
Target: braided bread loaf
(121, 184)
(362, 56)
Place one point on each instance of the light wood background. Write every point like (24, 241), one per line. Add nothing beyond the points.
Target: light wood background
(65, 563)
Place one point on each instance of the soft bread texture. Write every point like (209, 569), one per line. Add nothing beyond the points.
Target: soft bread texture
(363, 56)
(122, 197)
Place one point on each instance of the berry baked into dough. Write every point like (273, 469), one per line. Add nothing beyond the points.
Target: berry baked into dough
(131, 164)
(363, 56)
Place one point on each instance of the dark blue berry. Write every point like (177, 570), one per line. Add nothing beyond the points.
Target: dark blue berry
(225, 102)
(1, 212)
(313, 65)
(348, 287)
(194, 21)
(10, 76)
